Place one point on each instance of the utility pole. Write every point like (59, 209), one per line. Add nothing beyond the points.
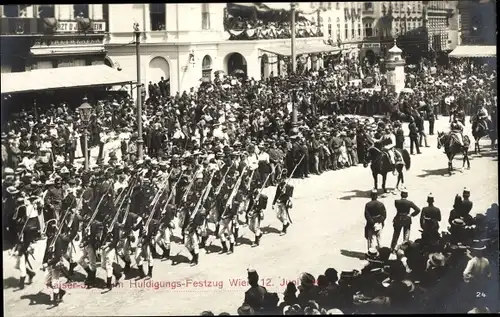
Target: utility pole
(294, 64)
(140, 140)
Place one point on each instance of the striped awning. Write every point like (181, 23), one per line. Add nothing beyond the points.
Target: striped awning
(465, 51)
(64, 77)
(285, 50)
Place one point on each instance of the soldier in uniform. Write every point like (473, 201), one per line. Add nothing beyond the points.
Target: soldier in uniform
(165, 233)
(466, 204)
(254, 296)
(400, 135)
(52, 262)
(226, 224)
(144, 249)
(53, 200)
(430, 218)
(131, 226)
(109, 254)
(89, 245)
(26, 222)
(402, 220)
(284, 202)
(255, 215)
(335, 144)
(375, 215)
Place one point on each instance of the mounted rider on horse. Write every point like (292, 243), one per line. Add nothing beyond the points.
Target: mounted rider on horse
(456, 131)
(386, 145)
(481, 120)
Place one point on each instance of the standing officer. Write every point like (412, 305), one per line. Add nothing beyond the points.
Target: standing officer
(466, 203)
(254, 296)
(413, 136)
(432, 118)
(375, 215)
(430, 217)
(402, 220)
(255, 214)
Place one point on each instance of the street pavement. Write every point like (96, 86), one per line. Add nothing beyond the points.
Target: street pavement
(327, 231)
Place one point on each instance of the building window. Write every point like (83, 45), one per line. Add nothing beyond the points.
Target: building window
(329, 5)
(359, 30)
(157, 16)
(353, 31)
(419, 7)
(15, 11)
(206, 68)
(205, 16)
(337, 6)
(81, 11)
(414, 7)
(368, 30)
(46, 11)
(329, 27)
(368, 6)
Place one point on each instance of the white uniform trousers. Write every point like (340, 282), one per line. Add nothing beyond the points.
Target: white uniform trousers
(108, 257)
(88, 254)
(144, 254)
(53, 277)
(226, 228)
(192, 242)
(74, 252)
(21, 264)
(254, 223)
(281, 214)
(164, 237)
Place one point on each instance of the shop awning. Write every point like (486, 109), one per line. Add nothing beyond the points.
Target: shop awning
(64, 77)
(285, 50)
(474, 51)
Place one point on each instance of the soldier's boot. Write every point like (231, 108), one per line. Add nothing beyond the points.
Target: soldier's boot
(217, 228)
(126, 269)
(61, 294)
(89, 277)
(154, 253)
(141, 273)
(72, 266)
(108, 283)
(55, 300)
(183, 238)
(150, 271)
(194, 261)
(21, 282)
(257, 240)
(117, 276)
(203, 242)
(284, 229)
(236, 231)
(231, 248)
(31, 275)
(166, 253)
(224, 247)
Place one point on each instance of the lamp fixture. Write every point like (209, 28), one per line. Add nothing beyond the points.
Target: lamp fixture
(191, 57)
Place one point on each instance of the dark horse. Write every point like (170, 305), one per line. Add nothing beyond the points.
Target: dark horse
(380, 165)
(452, 147)
(480, 129)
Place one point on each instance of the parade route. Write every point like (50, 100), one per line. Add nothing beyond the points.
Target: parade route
(327, 231)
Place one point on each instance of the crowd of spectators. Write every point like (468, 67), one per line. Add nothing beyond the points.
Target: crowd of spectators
(241, 28)
(453, 272)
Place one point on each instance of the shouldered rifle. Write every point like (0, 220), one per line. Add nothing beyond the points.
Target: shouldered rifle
(188, 189)
(203, 196)
(219, 188)
(96, 209)
(233, 193)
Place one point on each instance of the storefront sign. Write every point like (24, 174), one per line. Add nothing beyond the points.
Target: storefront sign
(371, 45)
(72, 26)
(69, 41)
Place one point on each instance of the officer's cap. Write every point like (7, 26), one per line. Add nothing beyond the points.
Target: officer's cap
(374, 192)
(12, 190)
(466, 191)
(404, 190)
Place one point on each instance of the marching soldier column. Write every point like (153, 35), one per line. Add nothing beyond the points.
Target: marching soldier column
(121, 215)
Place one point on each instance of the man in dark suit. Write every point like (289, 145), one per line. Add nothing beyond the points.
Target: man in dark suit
(402, 220)
(413, 136)
(254, 296)
(430, 218)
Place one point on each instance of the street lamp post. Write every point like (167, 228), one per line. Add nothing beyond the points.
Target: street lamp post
(85, 110)
(294, 60)
(140, 141)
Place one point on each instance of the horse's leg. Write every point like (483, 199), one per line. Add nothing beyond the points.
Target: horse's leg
(450, 164)
(384, 179)
(375, 180)
(401, 176)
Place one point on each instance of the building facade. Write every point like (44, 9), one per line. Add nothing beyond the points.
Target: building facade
(385, 20)
(52, 36)
(478, 22)
(186, 51)
(438, 15)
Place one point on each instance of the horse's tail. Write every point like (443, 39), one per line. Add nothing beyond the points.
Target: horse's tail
(406, 158)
